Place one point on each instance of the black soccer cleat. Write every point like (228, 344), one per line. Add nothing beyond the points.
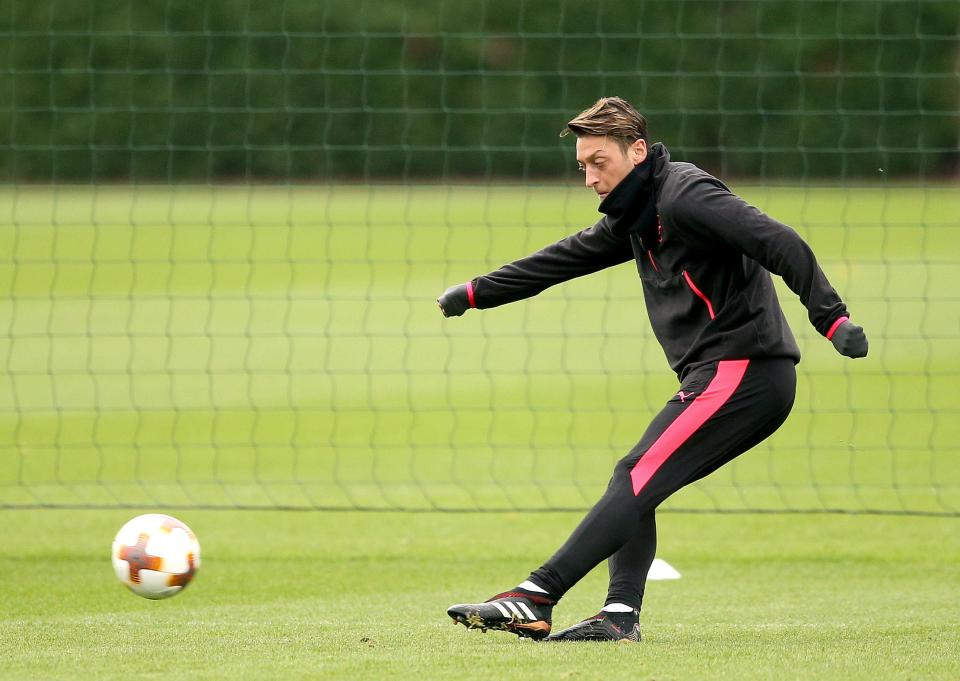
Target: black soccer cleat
(525, 615)
(604, 626)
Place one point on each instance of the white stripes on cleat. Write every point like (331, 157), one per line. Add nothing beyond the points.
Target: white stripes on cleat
(518, 611)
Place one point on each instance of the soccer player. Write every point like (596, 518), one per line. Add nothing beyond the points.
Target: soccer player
(704, 257)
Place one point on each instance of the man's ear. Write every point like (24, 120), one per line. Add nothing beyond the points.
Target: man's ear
(638, 152)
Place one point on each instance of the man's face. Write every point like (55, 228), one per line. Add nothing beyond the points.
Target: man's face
(604, 163)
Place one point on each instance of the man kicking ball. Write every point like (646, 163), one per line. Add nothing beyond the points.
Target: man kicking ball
(704, 257)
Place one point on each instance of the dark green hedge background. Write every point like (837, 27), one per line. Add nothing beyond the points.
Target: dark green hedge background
(107, 90)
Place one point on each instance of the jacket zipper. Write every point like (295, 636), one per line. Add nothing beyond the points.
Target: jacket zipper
(699, 293)
(652, 261)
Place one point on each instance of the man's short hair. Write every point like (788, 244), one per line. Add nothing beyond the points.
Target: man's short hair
(612, 117)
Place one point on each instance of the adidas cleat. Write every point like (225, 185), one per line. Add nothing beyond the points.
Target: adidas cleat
(520, 614)
(602, 627)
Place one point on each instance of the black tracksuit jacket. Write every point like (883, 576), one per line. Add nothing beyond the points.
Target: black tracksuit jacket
(704, 256)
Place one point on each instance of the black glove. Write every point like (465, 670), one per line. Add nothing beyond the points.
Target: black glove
(454, 301)
(850, 340)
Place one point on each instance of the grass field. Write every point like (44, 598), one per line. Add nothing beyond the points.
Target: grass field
(362, 596)
(182, 347)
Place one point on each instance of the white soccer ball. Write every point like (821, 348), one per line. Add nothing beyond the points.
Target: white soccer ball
(156, 555)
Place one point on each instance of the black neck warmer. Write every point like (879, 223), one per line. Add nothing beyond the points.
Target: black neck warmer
(632, 205)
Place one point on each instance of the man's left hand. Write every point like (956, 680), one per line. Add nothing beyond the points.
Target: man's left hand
(850, 340)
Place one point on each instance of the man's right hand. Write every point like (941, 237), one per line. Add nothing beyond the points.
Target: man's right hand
(850, 340)
(454, 301)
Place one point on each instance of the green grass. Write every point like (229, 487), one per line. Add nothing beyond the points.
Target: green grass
(362, 596)
(281, 345)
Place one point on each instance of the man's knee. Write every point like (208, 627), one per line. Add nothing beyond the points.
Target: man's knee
(622, 471)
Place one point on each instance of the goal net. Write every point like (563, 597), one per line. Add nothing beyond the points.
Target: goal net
(224, 225)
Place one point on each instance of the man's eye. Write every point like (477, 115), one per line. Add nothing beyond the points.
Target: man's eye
(581, 168)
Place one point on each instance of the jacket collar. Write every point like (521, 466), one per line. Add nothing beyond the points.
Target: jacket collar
(631, 207)
(661, 163)
(640, 184)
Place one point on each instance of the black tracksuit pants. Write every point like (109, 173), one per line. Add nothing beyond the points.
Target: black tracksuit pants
(721, 410)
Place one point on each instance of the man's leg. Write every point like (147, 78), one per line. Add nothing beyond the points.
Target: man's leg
(619, 619)
(721, 410)
(629, 566)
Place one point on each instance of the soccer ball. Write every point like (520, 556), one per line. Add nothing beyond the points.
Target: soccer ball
(155, 555)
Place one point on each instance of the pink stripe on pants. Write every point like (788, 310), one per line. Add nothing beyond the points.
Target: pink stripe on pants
(715, 395)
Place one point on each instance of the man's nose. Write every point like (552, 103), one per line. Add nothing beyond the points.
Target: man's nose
(591, 177)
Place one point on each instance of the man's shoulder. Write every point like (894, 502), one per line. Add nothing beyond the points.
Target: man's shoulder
(682, 182)
(680, 173)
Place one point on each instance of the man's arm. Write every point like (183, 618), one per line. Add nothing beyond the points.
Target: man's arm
(585, 252)
(718, 215)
